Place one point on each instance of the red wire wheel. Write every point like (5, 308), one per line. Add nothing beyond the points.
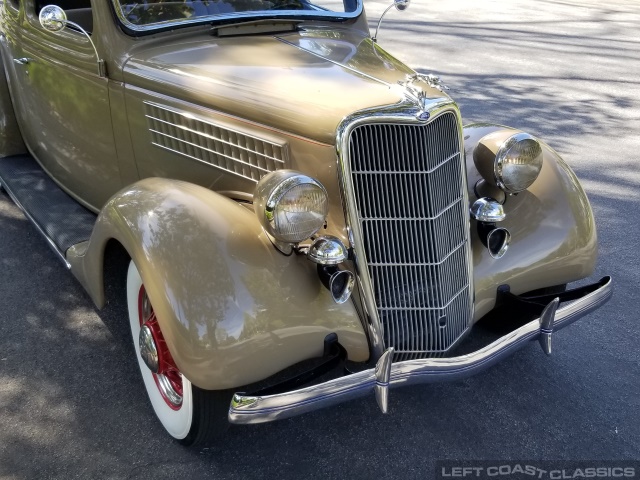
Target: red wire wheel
(168, 377)
(189, 414)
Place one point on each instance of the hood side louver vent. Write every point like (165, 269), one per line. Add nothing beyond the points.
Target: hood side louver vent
(230, 150)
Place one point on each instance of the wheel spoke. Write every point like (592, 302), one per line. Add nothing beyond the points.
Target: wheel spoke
(175, 378)
(168, 379)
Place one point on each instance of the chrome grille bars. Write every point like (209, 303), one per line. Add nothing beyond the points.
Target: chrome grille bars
(411, 229)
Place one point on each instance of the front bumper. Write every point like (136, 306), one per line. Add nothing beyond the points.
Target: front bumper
(246, 409)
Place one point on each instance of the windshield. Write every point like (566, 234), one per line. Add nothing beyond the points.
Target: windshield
(153, 14)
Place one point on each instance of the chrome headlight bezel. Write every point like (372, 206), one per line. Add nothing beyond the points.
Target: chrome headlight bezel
(270, 192)
(494, 154)
(503, 154)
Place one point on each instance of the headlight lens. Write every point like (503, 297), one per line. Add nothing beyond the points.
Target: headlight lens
(518, 163)
(290, 206)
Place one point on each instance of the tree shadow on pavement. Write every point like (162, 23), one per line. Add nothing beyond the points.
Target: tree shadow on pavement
(71, 398)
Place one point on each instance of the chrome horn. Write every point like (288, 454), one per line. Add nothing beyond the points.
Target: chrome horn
(496, 239)
(338, 281)
(487, 210)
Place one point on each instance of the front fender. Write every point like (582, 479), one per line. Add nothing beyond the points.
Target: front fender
(233, 309)
(552, 226)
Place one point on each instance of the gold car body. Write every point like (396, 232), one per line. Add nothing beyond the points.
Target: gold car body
(233, 309)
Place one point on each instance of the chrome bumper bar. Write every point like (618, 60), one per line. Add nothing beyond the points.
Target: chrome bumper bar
(246, 409)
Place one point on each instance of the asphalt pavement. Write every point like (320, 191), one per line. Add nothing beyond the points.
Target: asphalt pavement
(71, 401)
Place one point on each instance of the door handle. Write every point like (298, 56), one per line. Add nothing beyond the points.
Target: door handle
(22, 61)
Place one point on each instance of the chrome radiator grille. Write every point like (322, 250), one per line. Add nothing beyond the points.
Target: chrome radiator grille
(409, 190)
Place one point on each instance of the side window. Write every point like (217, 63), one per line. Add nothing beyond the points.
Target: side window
(64, 4)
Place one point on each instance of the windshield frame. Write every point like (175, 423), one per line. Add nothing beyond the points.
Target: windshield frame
(235, 17)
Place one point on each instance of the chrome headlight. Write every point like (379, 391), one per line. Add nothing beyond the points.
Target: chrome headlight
(516, 164)
(290, 206)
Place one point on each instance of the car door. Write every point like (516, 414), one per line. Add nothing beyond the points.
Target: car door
(10, 51)
(66, 117)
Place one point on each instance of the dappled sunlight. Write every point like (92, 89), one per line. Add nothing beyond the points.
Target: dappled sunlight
(626, 173)
(14, 214)
(538, 105)
(622, 182)
(71, 395)
(613, 190)
(48, 332)
(86, 326)
(557, 69)
(48, 410)
(53, 352)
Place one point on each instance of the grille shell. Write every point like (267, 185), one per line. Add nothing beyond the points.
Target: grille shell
(408, 187)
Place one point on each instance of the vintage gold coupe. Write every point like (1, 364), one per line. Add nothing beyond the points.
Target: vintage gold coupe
(305, 219)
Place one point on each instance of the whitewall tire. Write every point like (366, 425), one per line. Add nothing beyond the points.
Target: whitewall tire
(186, 412)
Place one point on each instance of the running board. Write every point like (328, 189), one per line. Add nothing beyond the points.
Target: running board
(59, 218)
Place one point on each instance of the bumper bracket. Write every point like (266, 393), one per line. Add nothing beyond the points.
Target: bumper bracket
(546, 325)
(246, 409)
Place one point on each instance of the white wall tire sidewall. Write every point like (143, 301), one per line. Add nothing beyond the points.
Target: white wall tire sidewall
(176, 422)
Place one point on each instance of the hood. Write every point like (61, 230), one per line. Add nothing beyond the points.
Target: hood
(304, 83)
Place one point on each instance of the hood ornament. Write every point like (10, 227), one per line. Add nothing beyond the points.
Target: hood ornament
(416, 94)
(432, 80)
(429, 78)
